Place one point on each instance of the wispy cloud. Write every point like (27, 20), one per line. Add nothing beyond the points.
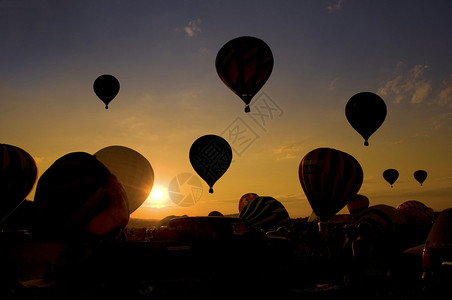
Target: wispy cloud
(193, 27)
(445, 95)
(408, 85)
(332, 8)
(288, 151)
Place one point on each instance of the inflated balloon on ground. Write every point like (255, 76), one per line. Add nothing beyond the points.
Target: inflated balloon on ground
(18, 174)
(133, 171)
(77, 196)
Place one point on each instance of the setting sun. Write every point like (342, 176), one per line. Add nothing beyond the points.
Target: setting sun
(158, 197)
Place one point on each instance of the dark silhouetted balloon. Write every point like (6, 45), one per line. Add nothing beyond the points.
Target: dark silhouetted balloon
(391, 175)
(417, 212)
(106, 88)
(77, 196)
(266, 213)
(245, 199)
(210, 156)
(244, 64)
(133, 171)
(366, 112)
(420, 176)
(330, 179)
(215, 213)
(18, 174)
(357, 204)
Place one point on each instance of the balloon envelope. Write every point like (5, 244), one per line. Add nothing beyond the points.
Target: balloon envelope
(420, 176)
(357, 204)
(244, 64)
(18, 174)
(329, 178)
(77, 195)
(391, 175)
(266, 213)
(245, 199)
(106, 88)
(365, 112)
(210, 156)
(417, 212)
(133, 171)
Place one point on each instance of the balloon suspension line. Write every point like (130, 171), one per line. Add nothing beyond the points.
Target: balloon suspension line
(247, 108)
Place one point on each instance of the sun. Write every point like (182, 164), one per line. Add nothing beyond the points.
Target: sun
(158, 197)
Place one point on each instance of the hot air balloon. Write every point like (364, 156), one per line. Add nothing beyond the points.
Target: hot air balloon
(245, 199)
(391, 175)
(266, 213)
(366, 112)
(357, 204)
(133, 171)
(420, 176)
(18, 174)
(417, 212)
(330, 178)
(106, 88)
(210, 156)
(78, 196)
(244, 64)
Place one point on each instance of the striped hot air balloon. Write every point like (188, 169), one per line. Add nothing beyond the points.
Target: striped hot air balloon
(78, 196)
(329, 178)
(417, 212)
(245, 199)
(18, 173)
(244, 64)
(382, 218)
(266, 213)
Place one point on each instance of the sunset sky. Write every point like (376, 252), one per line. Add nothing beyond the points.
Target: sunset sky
(163, 53)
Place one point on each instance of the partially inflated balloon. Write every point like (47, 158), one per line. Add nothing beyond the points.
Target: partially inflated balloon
(391, 175)
(78, 196)
(244, 64)
(417, 212)
(330, 178)
(266, 213)
(106, 88)
(420, 176)
(357, 204)
(210, 156)
(133, 171)
(366, 112)
(245, 199)
(18, 175)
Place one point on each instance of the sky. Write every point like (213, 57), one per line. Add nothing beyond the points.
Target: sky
(163, 54)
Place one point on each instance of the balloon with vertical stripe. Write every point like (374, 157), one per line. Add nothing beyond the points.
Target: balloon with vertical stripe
(18, 174)
(266, 213)
(244, 64)
(245, 199)
(330, 179)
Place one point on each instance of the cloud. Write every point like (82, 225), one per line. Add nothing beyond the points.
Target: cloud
(334, 7)
(193, 27)
(409, 86)
(289, 151)
(445, 95)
